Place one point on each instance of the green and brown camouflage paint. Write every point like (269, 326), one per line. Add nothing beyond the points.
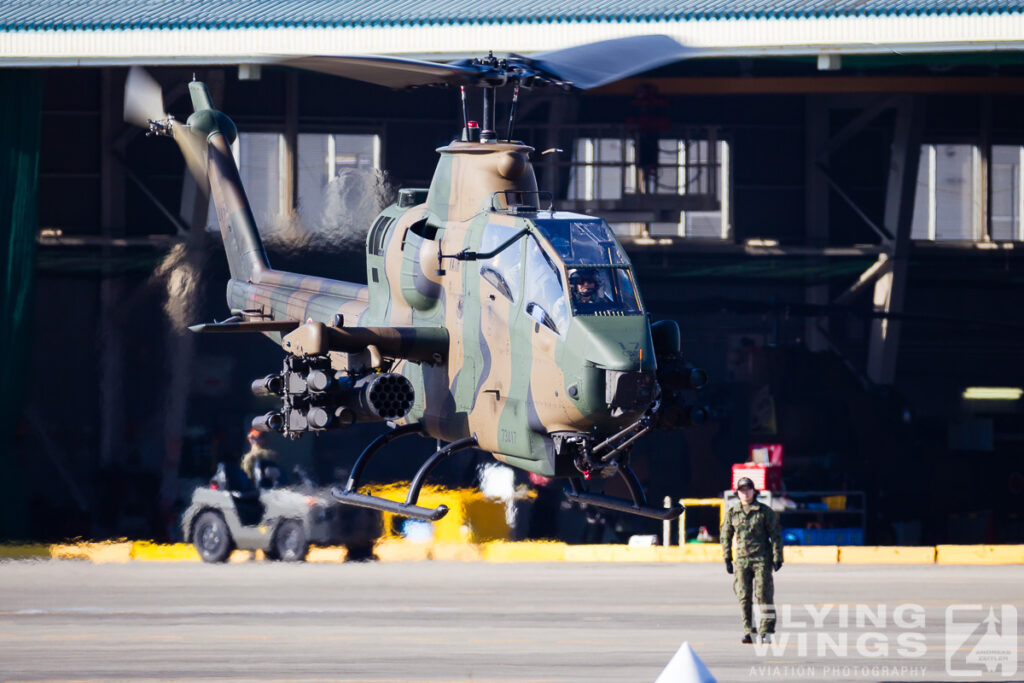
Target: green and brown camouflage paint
(504, 378)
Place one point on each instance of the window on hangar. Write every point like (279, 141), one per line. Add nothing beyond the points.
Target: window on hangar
(610, 169)
(321, 157)
(950, 203)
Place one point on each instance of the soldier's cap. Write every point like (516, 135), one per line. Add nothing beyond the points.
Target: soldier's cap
(745, 481)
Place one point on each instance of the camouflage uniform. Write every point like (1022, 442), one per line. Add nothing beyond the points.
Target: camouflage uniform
(256, 453)
(758, 545)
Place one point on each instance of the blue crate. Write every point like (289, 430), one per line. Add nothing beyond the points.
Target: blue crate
(841, 536)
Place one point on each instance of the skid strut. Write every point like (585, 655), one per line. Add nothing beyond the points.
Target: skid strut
(350, 495)
(578, 493)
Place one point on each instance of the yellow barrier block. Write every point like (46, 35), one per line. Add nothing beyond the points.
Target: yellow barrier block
(456, 552)
(589, 553)
(402, 551)
(165, 552)
(100, 552)
(881, 554)
(810, 554)
(692, 552)
(471, 518)
(27, 551)
(979, 554)
(236, 556)
(327, 554)
(539, 551)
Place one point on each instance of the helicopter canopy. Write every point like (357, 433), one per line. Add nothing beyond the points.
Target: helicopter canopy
(598, 273)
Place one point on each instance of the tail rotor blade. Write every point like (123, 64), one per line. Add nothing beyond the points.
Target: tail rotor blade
(143, 98)
(193, 148)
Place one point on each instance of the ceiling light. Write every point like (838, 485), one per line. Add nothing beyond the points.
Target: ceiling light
(993, 393)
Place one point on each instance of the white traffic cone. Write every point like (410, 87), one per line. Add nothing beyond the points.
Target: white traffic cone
(685, 667)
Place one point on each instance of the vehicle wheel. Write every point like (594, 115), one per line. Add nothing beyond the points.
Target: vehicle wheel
(290, 541)
(211, 537)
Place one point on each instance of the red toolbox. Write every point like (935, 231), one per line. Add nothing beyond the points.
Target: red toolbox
(765, 477)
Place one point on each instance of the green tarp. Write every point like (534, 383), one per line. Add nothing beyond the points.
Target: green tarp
(20, 114)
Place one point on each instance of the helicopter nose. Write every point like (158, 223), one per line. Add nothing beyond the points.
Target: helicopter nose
(617, 343)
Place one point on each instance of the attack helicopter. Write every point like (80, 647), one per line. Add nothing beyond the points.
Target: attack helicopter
(489, 319)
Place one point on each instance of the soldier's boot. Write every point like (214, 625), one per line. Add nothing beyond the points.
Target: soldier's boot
(749, 638)
(766, 638)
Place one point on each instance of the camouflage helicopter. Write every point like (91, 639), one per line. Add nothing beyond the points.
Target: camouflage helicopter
(488, 321)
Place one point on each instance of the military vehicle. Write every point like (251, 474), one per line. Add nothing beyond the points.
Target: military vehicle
(489, 320)
(282, 521)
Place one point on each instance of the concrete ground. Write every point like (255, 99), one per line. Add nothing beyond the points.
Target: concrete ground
(436, 621)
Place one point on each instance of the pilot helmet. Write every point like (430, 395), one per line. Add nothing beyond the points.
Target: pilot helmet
(579, 275)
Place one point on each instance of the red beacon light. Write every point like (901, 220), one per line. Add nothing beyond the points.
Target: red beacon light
(472, 132)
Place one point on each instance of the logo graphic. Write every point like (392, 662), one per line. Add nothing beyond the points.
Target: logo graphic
(981, 640)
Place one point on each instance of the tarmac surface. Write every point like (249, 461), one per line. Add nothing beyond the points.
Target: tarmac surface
(438, 621)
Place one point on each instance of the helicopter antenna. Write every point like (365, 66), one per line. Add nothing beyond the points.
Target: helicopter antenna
(490, 96)
(465, 117)
(512, 112)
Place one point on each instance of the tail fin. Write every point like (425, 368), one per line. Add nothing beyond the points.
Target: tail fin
(247, 259)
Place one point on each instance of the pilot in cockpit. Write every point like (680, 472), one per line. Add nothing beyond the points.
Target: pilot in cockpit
(587, 294)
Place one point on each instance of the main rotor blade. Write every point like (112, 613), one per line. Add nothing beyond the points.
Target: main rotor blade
(392, 72)
(596, 64)
(143, 98)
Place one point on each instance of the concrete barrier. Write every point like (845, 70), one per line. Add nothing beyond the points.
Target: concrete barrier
(30, 551)
(979, 554)
(810, 554)
(532, 551)
(886, 554)
(99, 552)
(537, 551)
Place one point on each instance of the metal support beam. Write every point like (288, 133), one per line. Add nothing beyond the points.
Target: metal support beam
(112, 226)
(816, 128)
(857, 124)
(983, 177)
(868, 277)
(890, 288)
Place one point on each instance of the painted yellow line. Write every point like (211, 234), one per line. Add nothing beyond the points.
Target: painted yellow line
(535, 551)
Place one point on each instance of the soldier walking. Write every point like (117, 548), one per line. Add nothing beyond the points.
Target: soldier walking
(755, 527)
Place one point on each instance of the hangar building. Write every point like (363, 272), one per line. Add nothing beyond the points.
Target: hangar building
(833, 214)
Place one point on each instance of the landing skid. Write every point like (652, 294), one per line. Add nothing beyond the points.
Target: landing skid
(350, 495)
(578, 493)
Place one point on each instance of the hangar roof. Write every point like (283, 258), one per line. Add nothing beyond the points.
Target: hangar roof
(195, 32)
(28, 15)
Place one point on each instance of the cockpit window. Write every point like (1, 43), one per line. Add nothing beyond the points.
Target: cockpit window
(602, 291)
(545, 298)
(503, 269)
(582, 241)
(600, 282)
